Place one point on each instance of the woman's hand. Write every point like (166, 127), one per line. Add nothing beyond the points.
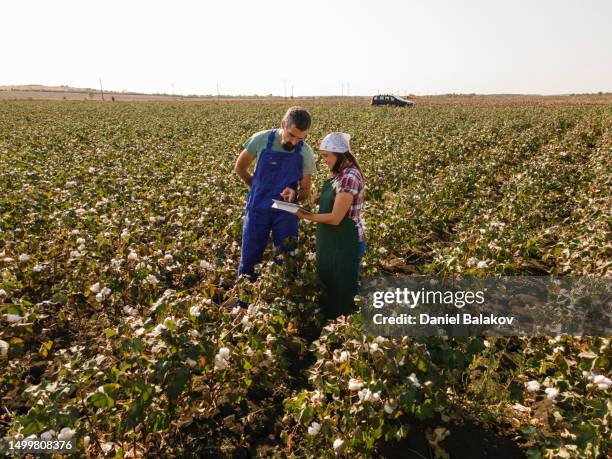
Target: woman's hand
(315, 198)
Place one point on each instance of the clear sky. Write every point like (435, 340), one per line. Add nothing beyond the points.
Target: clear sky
(318, 47)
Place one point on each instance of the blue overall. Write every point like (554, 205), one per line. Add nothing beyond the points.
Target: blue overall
(275, 171)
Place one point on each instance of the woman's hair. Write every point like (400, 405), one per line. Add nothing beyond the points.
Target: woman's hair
(344, 160)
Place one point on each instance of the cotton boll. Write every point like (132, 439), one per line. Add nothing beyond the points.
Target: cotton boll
(532, 386)
(413, 378)
(220, 363)
(551, 393)
(354, 385)
(390, 406)
(65, 434)
(224, 352)
(14, 318)
(47, 435)
(4, 347)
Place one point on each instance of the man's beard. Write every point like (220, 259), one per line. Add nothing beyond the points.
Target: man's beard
(288, 146)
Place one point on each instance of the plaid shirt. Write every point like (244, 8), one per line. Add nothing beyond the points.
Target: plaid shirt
(350, 180)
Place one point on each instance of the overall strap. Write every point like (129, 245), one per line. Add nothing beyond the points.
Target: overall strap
(271, 139)
(298, 147)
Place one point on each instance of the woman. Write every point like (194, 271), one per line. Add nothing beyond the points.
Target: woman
(340, 229)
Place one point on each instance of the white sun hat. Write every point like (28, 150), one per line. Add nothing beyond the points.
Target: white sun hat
(336, 142)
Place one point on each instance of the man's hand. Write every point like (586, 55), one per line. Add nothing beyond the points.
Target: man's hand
(289, 194)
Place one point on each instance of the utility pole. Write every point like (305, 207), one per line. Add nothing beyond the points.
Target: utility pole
(172, 89)
(285, 84)
(292, 91)
(101, 90)
(217, 90)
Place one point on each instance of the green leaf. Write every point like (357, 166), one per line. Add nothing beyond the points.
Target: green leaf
(101, 400)
(110, 333)
(177, 382)
(306, 415)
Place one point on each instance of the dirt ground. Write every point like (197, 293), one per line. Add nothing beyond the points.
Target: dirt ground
(37, 92)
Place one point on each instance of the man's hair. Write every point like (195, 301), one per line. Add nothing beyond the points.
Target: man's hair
(298, 117)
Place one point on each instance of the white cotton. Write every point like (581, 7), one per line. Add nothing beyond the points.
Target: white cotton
(413, 378)
(314, 428)
(14, 318)
(24, 257)
(65, 434)
(551, 393)
(220, 363)
(482, 264)
(4, 346)
(355, 385)
(151, 279)
(95, 288)
(224, 352)
(390, 406)
(344, 356)
(205, 265)
(195, 311)
(338, 442)
(47, 435)
(106, 291)
(365, 395)
(99, 298)
(532, 386)
(192, 363)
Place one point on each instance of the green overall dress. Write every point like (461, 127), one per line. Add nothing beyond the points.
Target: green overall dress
(337, 263)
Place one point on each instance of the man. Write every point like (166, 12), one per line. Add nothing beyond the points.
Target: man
(284, 168)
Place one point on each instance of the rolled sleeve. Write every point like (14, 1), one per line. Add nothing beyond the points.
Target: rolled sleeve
(348, 184)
